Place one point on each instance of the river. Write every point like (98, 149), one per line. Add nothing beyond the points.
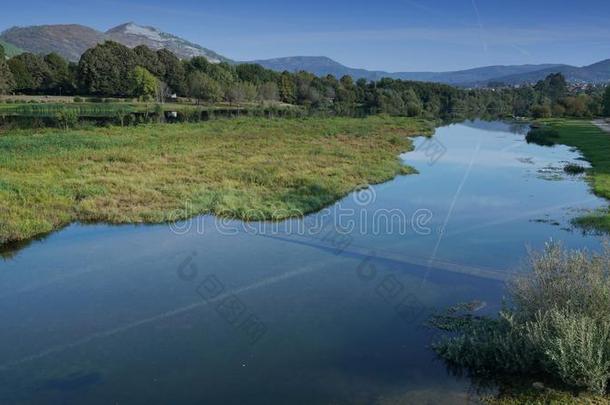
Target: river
(325, 309)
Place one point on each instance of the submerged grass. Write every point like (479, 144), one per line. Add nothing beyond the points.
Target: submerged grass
(594, 144)
(249, 168)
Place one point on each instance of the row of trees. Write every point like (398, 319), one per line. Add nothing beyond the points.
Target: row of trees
(114, 70)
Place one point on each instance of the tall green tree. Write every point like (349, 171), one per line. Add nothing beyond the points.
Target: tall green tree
(106, 69)
(61, 79)
(554, 86)
(30, 72)
(287, 88)
(203, 88)
(175, 75)
(149, 60)
(144, 83)
(6, 76)
(606, 101)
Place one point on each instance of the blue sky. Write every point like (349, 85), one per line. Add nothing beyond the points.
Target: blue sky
(391, 35)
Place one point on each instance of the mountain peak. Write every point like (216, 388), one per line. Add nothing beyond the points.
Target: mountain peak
(132, 35)
(131, 28)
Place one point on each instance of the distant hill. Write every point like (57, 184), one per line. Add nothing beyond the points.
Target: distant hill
(321, 66)
(71, 41)
(596, 73)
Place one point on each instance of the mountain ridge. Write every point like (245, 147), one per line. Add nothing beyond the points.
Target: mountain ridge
(71, 40)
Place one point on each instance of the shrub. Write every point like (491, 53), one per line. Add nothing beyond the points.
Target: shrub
(574, 169)
(66, 117)
(542, 136)
(576, 347)
(77, 100)
(556, 324)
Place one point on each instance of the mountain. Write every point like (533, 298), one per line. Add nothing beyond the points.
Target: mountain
(71, 41)
(596, 73)
(318, 65)
(321, 66)
(481, 75)
(132, 35)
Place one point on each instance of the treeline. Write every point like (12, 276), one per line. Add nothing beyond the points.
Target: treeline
(114, 70)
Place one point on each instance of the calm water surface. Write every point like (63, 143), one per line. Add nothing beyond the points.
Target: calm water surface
(317, 311)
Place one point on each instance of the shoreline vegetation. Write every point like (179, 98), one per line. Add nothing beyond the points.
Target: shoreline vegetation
(553, 330)
(594, 144)
(246, 168)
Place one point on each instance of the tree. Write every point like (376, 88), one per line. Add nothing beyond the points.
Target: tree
(606, 102)
(554, 86)
(240, 92)
(287, 88)
(202, 87)
(107, 69)
(268, 92)
(144, 83)
(175, 75)
(253, 73)
(30, 72)
(6, 76)
(413, 104)
(541, 111)
(149, 60)
(60, 79)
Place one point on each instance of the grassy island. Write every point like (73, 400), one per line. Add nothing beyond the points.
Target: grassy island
(249, 168)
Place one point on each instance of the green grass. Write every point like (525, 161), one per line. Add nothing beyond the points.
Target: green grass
(250, 168)
(531, 396)
(594, 144)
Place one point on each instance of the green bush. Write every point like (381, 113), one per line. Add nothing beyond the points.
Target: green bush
(573, 169)
(556, 324)
(544, 136)
(66, 118)
(576, 347)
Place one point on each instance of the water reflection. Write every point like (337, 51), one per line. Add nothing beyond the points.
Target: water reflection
(140, 314)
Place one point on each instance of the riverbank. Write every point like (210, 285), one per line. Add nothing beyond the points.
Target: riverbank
(594, 144)
(247, 168)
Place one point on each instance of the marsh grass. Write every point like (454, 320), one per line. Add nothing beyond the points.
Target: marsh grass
(556, 325)
(250, 168)
(594, 144)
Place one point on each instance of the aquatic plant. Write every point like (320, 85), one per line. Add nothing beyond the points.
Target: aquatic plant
(555, 326)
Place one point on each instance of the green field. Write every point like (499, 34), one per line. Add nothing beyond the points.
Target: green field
(250, 168)
(594, 144)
